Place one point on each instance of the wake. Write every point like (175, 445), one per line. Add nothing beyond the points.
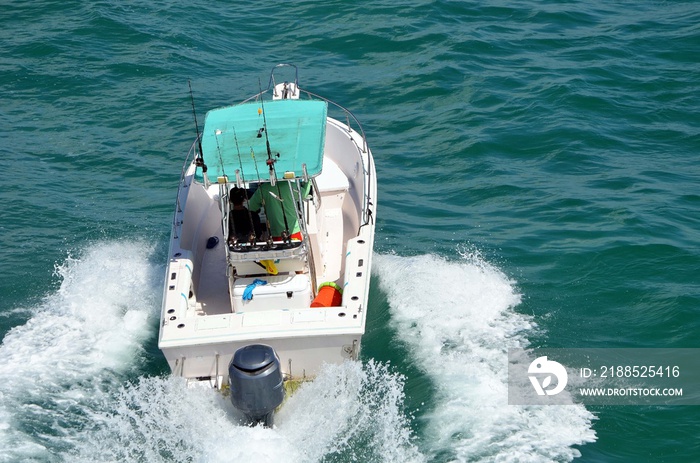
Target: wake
(457, 320)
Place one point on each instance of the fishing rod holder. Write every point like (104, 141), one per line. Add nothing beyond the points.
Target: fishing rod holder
(264, 250)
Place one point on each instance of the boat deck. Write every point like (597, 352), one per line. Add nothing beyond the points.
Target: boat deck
(211, 300)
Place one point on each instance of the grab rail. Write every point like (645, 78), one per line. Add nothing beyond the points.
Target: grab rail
(183, 172)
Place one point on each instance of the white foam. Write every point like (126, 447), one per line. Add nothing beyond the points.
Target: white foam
(91, 328)
(160, 419)
(62, 395)
(457, 319)
(352, 411)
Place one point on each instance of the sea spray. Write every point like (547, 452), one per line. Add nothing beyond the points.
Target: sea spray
(350, 412)
(72, 389)
(456, 317)
(80, 339)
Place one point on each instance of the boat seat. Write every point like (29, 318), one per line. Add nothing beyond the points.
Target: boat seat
(332, 179)
(291, 291)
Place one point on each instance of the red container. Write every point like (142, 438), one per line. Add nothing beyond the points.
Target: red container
(329, 295)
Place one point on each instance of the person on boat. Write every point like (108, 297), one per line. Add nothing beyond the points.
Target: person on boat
(241, 221)
(279, 206)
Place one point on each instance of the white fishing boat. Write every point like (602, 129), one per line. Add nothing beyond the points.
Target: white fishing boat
(253, 297)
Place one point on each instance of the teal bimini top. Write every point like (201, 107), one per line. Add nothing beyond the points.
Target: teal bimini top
(296, 130)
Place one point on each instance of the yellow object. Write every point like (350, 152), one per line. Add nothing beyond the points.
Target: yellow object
(291, 386)
(223, 179)
(289, 174)
(269, 266)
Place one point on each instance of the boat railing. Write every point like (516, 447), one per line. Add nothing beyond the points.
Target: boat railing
(347, 114)
(350, 118)
(178, 205)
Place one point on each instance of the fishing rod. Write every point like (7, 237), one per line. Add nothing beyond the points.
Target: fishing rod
(251, 236)
(218, 149)
(223, 187)
(271, 163)
(199, 161)
(262, 199)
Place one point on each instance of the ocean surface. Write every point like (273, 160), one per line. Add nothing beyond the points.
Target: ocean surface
(539, 186)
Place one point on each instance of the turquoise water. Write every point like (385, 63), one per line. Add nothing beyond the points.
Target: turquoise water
(537, 186)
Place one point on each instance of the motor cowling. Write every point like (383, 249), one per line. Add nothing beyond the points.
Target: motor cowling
(256, 383)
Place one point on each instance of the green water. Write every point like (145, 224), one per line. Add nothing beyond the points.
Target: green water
(538, 186)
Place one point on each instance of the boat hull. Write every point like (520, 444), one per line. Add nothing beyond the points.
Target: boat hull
(202, 324)
(301, 357)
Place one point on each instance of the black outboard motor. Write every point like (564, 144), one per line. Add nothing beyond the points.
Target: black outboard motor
(256, 383)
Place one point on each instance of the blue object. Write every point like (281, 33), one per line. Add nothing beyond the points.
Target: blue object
(296, 130)
(248, 292)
